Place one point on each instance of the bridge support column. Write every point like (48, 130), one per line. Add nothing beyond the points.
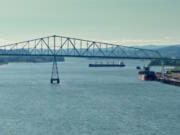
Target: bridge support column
(55, 75)
(162, 69)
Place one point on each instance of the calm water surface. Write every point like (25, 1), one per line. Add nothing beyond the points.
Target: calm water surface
(89, 101)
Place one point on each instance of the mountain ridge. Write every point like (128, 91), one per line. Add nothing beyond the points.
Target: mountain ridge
(165, 50)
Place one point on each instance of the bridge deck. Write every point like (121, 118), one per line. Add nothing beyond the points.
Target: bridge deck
(73, 47)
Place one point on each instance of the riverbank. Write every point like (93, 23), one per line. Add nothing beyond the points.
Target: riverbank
(166, 63)
(2, 64)
(4, 60)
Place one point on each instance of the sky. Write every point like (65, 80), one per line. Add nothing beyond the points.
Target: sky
(127, 22)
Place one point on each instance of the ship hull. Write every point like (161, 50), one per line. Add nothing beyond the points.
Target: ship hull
(145, 78)
(106, 65)
(146, 75)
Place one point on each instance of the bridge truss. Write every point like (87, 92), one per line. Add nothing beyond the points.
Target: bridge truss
(73, 47)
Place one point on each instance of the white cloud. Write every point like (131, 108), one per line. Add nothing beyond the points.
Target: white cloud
(131, 42)
(4, 42)
(126, 42)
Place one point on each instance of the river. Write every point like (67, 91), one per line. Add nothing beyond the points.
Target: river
(89, 101)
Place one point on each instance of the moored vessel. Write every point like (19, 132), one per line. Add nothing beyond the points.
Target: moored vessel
(146, 75)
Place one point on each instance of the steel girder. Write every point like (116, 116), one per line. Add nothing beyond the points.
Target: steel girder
(73, 47)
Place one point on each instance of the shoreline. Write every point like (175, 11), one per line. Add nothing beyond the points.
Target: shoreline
(2, 64)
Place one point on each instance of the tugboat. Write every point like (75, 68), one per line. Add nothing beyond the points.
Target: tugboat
(120, 64)
(146, 75)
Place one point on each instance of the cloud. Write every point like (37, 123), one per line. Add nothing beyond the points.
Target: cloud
(125, 42)
(4, 42)
(131, 42)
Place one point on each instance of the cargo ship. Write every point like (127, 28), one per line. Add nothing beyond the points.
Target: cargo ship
(120, 64)
(146, 75)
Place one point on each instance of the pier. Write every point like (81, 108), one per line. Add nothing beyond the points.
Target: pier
(173, 79)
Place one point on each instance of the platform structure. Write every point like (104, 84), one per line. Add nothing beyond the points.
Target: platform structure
(162, 69)
(55, 74)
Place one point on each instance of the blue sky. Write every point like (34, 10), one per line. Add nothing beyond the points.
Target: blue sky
(128, 22)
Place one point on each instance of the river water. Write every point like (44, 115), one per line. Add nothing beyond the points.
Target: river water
(89, 101)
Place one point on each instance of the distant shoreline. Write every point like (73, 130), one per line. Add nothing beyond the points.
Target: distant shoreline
(172, 63)
(2, 64)
(5, 60)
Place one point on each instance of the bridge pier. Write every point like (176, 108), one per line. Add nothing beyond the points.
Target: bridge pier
(162, 69)
(55, 75)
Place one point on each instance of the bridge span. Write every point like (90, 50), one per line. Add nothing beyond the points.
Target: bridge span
(60, 46)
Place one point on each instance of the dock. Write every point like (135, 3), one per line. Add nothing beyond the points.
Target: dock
(172, 79)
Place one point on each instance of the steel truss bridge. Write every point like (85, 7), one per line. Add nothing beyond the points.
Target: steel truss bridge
(72, 47)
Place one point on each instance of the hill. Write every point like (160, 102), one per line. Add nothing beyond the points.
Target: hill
(165, 50)
(170, 51)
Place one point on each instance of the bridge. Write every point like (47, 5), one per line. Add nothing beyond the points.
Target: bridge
(60, 46)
